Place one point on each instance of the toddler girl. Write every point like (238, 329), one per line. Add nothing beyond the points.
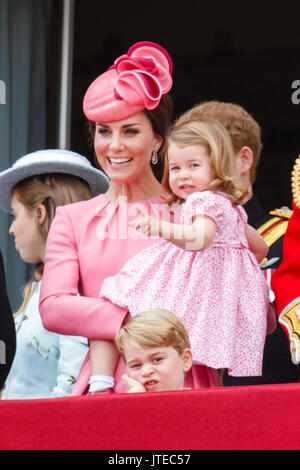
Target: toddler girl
(156, 349)
(205, 269)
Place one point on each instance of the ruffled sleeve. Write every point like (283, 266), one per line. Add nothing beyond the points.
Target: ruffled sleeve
(204, 203)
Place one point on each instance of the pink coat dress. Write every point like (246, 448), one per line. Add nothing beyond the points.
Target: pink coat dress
(88, 242)
(219, 292)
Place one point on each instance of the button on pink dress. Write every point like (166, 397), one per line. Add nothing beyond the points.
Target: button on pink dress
(219, 292)
(88, 242)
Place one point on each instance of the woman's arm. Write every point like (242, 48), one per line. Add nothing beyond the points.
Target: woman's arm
(256, 243)
(194, 237)
(62, 309)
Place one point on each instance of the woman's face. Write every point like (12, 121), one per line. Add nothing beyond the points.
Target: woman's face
(124, 148)
(28, 239)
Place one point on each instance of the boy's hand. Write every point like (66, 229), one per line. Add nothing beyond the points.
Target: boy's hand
(148, 224)
(132, 385)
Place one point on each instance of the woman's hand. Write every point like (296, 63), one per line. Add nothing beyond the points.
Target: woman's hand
(148, 224)
(132, 385)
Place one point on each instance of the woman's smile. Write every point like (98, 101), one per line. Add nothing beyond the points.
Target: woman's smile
(119, 161)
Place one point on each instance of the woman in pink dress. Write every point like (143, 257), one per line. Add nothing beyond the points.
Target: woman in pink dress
(205, 269)
(130, 110)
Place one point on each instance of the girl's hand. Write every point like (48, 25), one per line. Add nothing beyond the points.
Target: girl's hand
(148, 224)
(132, 385)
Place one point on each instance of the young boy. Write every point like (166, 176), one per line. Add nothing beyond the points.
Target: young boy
(156, 348)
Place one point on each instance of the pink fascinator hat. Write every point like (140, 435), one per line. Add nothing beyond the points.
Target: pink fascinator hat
(136, 81)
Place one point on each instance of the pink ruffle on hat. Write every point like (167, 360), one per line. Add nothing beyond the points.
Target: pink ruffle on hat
(136, 81)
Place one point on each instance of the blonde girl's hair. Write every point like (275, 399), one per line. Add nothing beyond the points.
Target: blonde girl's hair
(243, 129)
(51, 190)
(154, 328)
(212, 135)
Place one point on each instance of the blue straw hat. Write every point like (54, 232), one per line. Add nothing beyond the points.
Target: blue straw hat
(50, 161)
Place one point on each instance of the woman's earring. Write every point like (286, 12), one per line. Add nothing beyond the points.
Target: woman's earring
(154, 158)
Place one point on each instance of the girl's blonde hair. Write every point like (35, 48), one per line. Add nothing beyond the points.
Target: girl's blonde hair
(152, 329)
(51, 190)
(212, 135)
(241, 126)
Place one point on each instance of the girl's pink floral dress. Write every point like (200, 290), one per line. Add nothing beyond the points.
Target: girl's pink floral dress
(219, 292)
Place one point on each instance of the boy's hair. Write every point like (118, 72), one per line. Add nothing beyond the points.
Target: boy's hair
(212, 135)
(152, 329)
(241, 126)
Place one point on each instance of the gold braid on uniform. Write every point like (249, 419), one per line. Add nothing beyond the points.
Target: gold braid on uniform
(290, 316)
(275, 227)
(296, 182)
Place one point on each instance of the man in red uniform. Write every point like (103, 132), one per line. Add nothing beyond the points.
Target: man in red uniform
(286, 279)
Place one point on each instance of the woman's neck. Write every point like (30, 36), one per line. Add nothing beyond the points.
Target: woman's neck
(134, 191)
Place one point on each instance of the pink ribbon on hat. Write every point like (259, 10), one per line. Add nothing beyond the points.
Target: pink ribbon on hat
(144, 74)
